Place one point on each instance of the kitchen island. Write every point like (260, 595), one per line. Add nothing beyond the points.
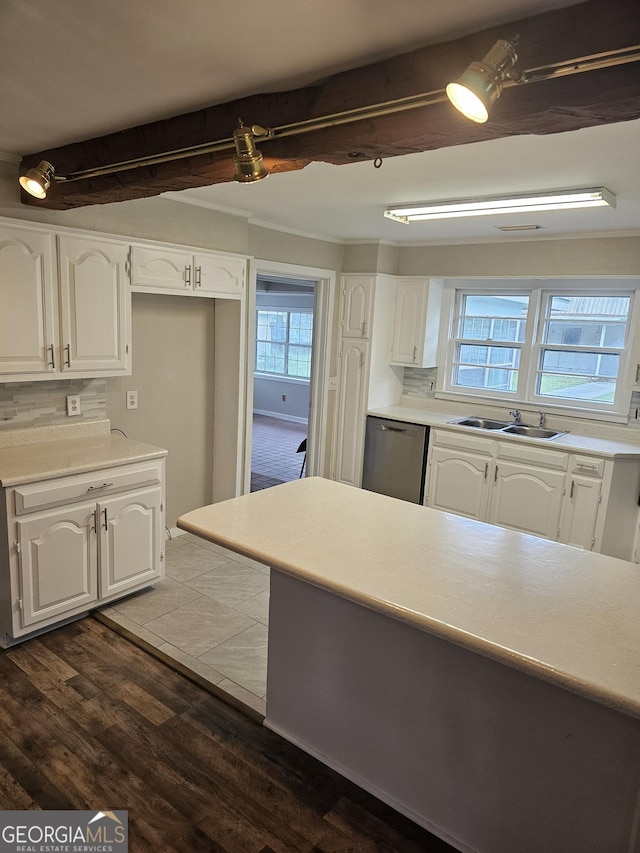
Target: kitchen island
(483, 682)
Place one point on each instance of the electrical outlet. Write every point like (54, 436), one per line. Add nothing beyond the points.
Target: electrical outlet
(132, 399)
(333, 383)
(73, 405)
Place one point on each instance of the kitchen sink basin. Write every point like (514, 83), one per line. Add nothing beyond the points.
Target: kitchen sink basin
(481, 423)
(531, 431)
(508, 427)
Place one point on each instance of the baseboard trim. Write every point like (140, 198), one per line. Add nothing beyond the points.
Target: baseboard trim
(281, 417)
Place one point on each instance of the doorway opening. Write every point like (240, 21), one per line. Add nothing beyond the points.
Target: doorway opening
(284, 321)
(289, 319)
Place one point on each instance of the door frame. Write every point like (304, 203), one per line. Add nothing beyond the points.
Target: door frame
(325, 285)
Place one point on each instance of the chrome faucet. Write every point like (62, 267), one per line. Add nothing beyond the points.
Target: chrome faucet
(541, 422)
(517, 417)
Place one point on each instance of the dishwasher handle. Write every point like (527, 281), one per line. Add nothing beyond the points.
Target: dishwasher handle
(402, 430)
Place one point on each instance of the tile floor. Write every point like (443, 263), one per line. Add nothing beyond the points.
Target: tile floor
(274, 456)
(210, 614)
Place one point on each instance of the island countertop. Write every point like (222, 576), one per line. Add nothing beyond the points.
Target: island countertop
(561, 614)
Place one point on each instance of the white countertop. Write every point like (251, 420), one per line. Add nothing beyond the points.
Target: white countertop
(570, 441)
(28, 463)
(559, 613)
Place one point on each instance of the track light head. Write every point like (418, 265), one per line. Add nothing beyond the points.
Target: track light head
(478, 87)
(38, 179)
(249, 165)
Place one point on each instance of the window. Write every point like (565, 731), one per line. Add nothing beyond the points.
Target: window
(581, 341)
(560, 346)
(283, 342)
(490, 332)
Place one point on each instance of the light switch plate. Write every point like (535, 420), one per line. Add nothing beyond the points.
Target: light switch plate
(73, 405)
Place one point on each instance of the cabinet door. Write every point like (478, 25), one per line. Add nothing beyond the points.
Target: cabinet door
(95, 305)
(131, 532)
(161, 269)
(57, 563)
(459, 481)
(408, 322)
(353, 371)
(28, 340)
(527, 498)
(580, 512)
(357, 298)
(219, 275)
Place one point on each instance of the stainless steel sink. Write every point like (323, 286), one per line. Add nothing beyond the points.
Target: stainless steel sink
(481, 423)
(508, 427)
(531, 431)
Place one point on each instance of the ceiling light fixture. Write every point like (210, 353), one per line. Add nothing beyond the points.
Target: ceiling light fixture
(499, 62)
(248, 162)
(525, 203)
(480, 85)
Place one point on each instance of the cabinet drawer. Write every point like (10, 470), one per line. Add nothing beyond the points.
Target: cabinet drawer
(462, 440)
(34, 496)
(589, 465)
(518, 451)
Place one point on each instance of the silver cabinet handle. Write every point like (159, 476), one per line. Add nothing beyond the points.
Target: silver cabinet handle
(52, 363)
(95, 521)
(637, 373)
(198, 276)
(415, 352)
(97, 488)
(187, 276)
(495, 475)
(68, 358)
(486, 470)
(572, 486)
(104, 512)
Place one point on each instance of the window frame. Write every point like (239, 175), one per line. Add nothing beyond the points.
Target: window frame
(540, 293)
(286, 343)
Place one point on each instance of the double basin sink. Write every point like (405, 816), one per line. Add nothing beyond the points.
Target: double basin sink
(508, 427)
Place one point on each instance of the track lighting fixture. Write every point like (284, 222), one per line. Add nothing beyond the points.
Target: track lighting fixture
(479, 86)
(38, 180)
(249, 165)
(473, 93)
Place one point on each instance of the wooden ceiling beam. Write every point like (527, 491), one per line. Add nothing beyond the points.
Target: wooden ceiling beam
(566, 103)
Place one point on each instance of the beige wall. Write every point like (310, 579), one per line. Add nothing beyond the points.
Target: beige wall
(173, 375)
(585, 256)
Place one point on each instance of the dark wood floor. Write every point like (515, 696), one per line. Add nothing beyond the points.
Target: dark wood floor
(90, 721)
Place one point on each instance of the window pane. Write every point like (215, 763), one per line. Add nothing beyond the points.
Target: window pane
(591, 321)
(579, 375)
(300, 328)
(493, 317)
(493, 368)
(300, 361)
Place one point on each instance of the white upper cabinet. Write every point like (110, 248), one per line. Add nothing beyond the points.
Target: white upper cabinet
(162, 269)
(94, 302)
(415, 322)
(356, 306)
(28, 329)
(72, 316)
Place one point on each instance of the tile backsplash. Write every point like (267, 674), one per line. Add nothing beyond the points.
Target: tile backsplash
(25, 404)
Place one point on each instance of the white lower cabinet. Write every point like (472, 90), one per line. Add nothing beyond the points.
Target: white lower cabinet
(76, 542)
(582, 500)
(526, 498)
(500, 482)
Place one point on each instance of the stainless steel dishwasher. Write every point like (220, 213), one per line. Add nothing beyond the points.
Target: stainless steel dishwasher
(395, 455)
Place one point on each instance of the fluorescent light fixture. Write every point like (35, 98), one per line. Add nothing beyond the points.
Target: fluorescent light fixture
(526, 203)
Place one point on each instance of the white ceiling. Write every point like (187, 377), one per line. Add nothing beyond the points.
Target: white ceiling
(82, 68)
